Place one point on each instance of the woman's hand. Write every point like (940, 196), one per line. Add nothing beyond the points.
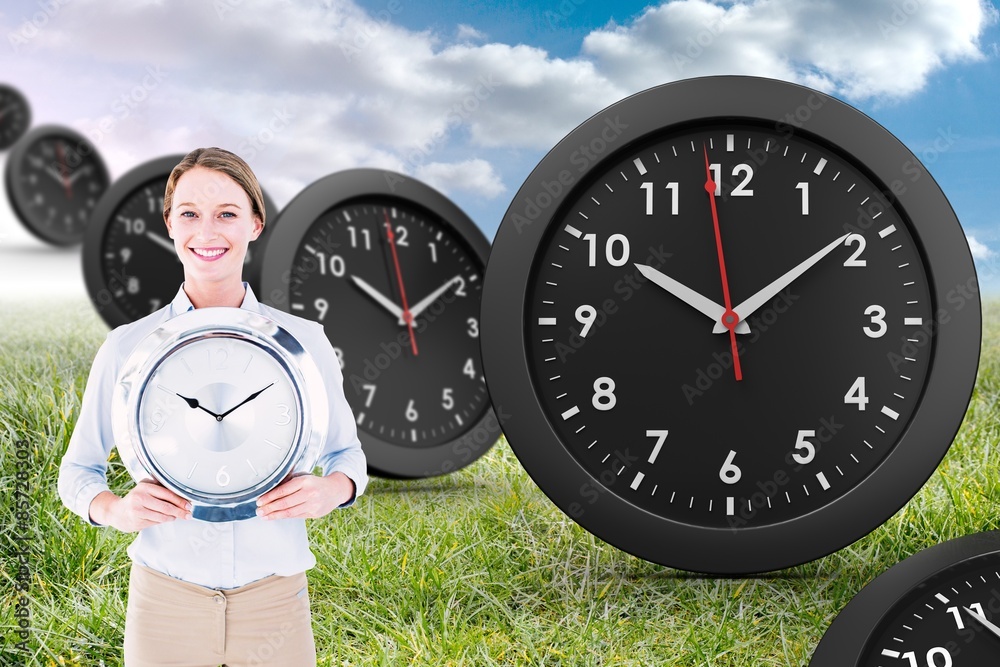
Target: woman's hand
(146, 504)
(306, 497)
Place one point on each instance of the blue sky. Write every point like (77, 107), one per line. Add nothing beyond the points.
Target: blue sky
(469, 96)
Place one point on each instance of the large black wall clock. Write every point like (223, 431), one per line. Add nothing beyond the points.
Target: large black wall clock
(129, 263)
(15, 115)
(393, 270)
(735, 324)
(55, 177)
(937, 608)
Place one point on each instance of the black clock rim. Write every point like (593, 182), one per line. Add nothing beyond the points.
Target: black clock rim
(103, 216)
(889, 486)
(15, 162)
(847, 638)
(385, 459)
(23, 101)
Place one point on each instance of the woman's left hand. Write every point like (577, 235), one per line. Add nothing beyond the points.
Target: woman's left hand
(306, 497)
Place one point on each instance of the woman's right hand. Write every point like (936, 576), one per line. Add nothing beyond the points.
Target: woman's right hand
(147, 504)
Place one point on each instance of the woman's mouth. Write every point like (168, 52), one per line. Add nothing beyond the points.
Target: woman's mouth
(209, 254)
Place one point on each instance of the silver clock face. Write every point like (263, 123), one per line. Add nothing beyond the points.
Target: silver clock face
(219, 416)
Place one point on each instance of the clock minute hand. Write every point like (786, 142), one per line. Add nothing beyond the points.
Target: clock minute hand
(703, 305)
(750, 306)
(421, 306)
(982, 621)
(380, 298)
(243, 402)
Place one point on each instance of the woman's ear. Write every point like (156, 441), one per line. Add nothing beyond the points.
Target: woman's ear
(170, 228)
(258, 228)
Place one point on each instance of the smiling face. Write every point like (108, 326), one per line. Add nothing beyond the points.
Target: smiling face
(211, 222)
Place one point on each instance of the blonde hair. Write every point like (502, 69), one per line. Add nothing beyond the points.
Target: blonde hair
(223, 161)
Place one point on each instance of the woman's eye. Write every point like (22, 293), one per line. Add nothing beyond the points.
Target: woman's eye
(228, 214)
(187, 214)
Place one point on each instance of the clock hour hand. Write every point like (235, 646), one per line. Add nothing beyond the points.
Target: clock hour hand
(750, 306)
(160, 241)
(244, 402)
(380, 298)
(195, 405)
(703, 305)
(982, 621)
(421, 306)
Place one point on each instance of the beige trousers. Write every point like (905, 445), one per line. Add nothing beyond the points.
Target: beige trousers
(174, 623)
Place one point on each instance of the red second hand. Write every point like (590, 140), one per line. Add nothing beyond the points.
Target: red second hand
(407, 316)
(729, 318)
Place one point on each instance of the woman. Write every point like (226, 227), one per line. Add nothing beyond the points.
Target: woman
(209, 593)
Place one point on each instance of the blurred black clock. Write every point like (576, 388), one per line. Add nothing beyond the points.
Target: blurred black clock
(938, 608)
(393, 270)
(55, 177)
(735, 322)
(15, 115)
(129, 263)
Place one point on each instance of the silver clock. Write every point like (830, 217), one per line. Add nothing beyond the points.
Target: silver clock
(220, 405)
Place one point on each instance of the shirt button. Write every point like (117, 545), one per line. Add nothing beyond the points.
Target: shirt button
(219, 599)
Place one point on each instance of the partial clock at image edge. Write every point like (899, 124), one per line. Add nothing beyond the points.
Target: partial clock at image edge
(572, 191)
(934, 608)
(254, 411)
(15, 115)
(130, 266)
(55, 178)
(360, 250)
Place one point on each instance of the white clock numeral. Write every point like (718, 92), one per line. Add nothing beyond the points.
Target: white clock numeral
(135, 226)
(401, 236)
(741, 189)
(879, 327)
(157, 419)
(321, 306)
(340, 356)
(354, 238)
(126, 254)
(222, 477)
(932, 658)
(284, 415)
(447, 402)
(804, 187)
(370, 388)
(411, 412)
(133, 285)
(585, 315)
(604, 394)
(609, 249)
(469, 369)
(460, 290)
(473, 329)
(434, 253)
(858, 240)
(730, 473)
(648, 187)
(957, 613)
(856, 394)
(807, 447)
(661, 437)
(153, 305)
(337, 265)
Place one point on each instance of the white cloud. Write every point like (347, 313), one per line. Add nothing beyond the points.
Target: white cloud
(365, 91)
(978, 249)
(475, 176)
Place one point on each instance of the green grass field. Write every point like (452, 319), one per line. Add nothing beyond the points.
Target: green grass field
(475, 568)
